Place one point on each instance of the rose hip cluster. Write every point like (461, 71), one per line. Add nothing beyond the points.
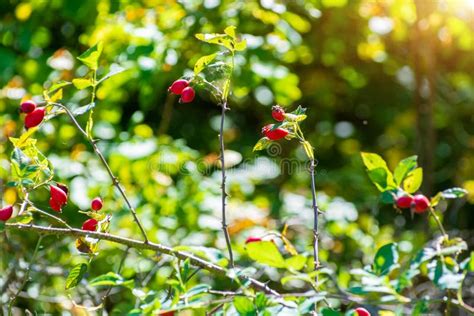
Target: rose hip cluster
(419, 203)
(34, 115)
(272, 131)
(181, 87)
(91, 223)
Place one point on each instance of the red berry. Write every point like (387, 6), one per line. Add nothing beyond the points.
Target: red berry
(278, 113)
(274, 133)
(362, 311)
(34, 118)
(187, 95)
(6, 213)
(253, 239)
(421, 203)
(58, 198)
(62, 187)
(90, 224)
(96, 204)
(27, 106)
(404, 201)
(54, 205)
(178, 86)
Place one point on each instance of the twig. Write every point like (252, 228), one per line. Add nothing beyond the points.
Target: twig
(224, 193)
(133, 243)
(27, 275)
(119, 268)
(315, 227)
(57, 219)
(114, 179)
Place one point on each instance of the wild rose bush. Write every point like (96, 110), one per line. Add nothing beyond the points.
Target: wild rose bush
(274, 272)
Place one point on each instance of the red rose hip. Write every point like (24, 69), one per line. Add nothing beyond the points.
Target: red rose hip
(278, 113)
(27, 106)
(252, 239)
(187, 95)
(6, 213)
(34, 118)
(404, 201)
(58, 197)
(178, 86)
(421, 203)
(90, 224)
(362, 312)
(96, 204)
(274, 133)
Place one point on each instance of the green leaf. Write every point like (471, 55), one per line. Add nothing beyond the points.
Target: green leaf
(454, 193)
(58, 85)
(326, 311)
(296, 262)
(90, 57)
(262, 144)
(444, 278)
(24, 218)
(110, 279)
(244, 306)
(203, 62)
(388, 197)
(386, 259)
(218, 39)
(198, 289)
(266, 252)
(378, 171)
(379, 177)
(75, 275)
(114, 70)
(404, 167)
(82, 83)
(413, 181)
(83, 109)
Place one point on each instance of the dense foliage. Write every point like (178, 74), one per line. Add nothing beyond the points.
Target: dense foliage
(126, 190)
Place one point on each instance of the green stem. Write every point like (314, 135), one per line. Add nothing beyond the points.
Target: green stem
(438, 222)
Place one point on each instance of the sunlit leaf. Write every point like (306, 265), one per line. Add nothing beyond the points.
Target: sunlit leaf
(262, 144)
(203, 62)
(90, 57)
(413, 181)
(454, 193)
(296, 262)
(110, 279)
(75, 275)
(404, 167)
(244, 306)
(266, 252)
(82, 83)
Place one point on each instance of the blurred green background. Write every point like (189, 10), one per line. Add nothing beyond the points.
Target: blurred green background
(393, 77)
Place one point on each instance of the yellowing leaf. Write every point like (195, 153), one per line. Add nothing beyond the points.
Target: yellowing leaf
(413, 181)
(230, 30)
(58, 95)
(81, 83)
(203, 62)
